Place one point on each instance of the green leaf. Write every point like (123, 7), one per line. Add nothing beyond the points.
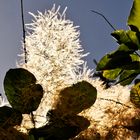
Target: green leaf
(135, 95)
(120, 36)
(134, 17)
(134, 64)
(103, 62)
(22, 91)
(129, 38)
(74, 99)
(9, 117)
(62, 128)
(127, 76)
(135, 57)
(124, 48)
(114, 60)
(111, 74)
(119, 59)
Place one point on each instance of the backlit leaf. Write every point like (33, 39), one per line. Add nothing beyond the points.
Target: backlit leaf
(22, 91)
(127, 76)
(103, 62)
(74, 99)
(113, 61)
(111, 74)
(129, 38)
(9, 117)
(60, 129)
(119, 59)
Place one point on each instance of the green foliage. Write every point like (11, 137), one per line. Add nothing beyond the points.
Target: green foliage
(111, 74)
(9, 117)
(135, 95)
(123, 64)
(60, 128)
(76, 98)
(134, 17)
(22, 91)
(129, 75)
(128, 40)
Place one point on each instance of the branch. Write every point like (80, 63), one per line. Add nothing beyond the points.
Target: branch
(23, 30)
(105, 19)
(111, 100)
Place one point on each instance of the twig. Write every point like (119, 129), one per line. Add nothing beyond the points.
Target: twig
(32, 119)
(105, 19)
(115, 102)
(95, 62)
(23, 30)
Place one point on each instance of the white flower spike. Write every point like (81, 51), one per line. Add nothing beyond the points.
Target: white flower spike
(54, 56)
(54, 53)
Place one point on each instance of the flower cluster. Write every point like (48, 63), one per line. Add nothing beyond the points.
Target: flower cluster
(54, 56)
(53, 53)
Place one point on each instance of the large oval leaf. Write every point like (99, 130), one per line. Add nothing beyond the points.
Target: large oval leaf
(74, 99)
(61, 129)
(22, 91)
(9, 117)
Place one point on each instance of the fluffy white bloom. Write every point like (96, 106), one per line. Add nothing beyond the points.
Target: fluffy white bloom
(111, 111)
(54, 53)
(55, 58)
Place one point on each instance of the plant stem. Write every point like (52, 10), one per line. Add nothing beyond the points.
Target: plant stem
(23, 30)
